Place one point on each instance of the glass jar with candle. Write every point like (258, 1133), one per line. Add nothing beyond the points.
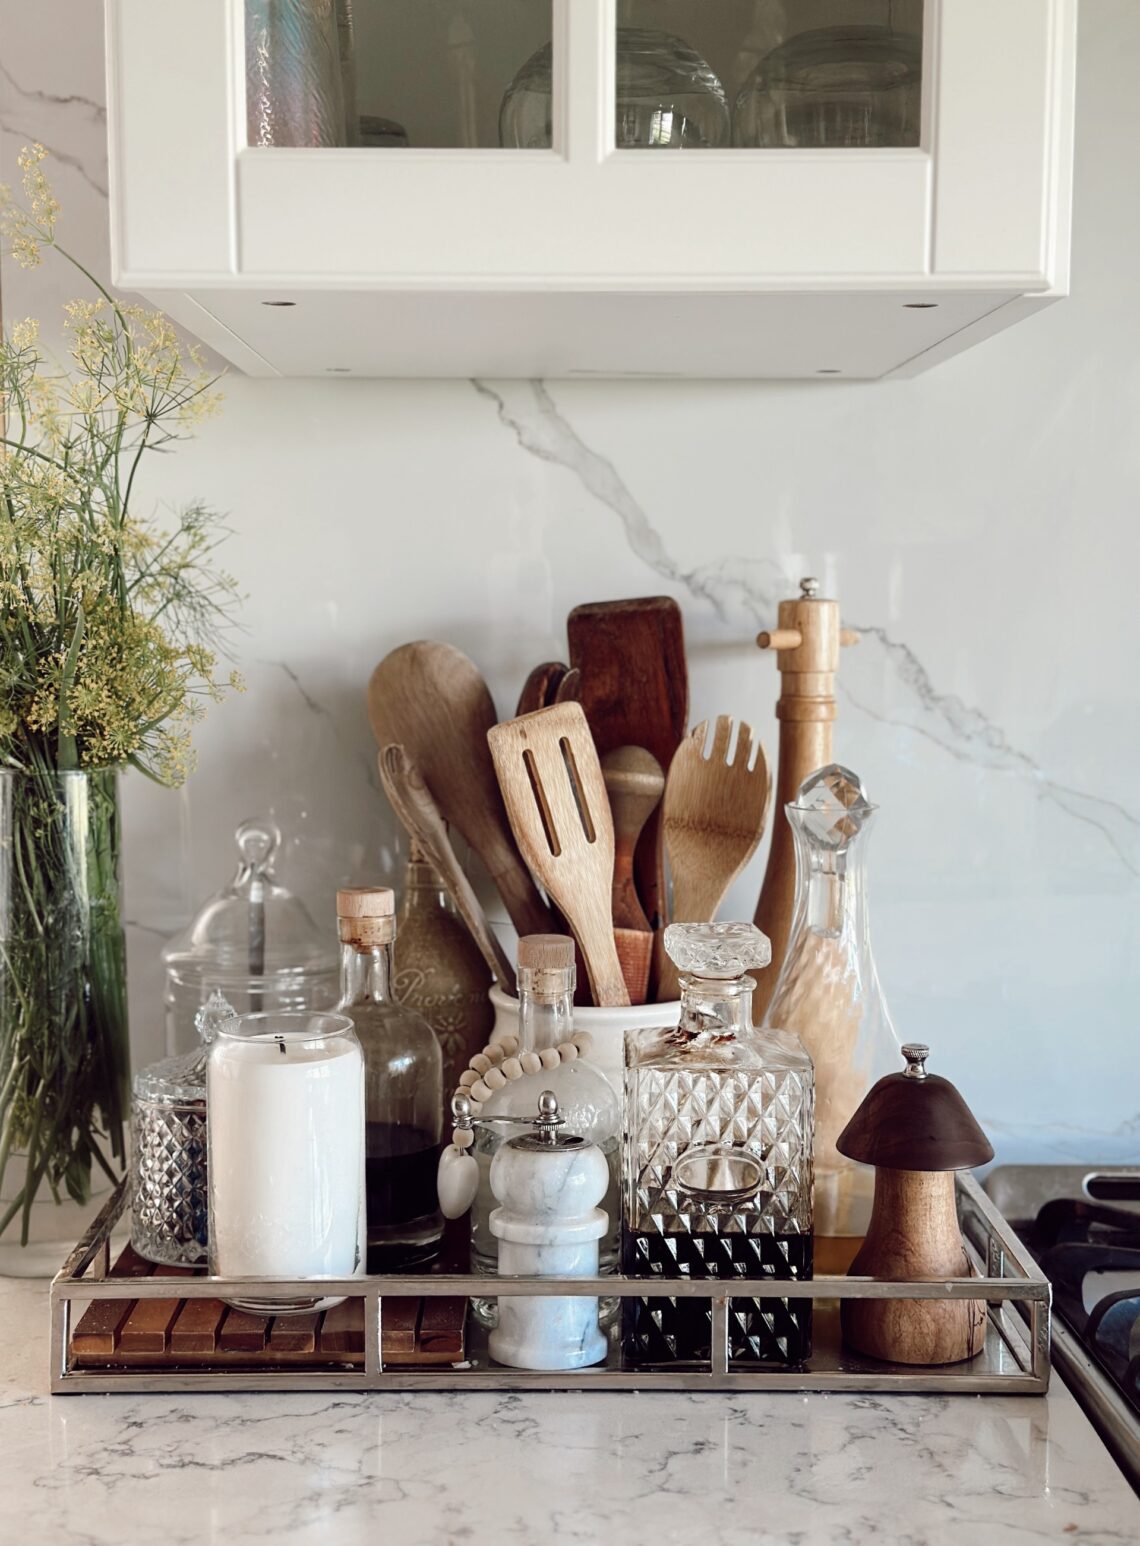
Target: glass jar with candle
(403, 1086)
(285, 1097)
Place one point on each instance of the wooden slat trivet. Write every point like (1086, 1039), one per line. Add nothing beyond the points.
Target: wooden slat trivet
(441, 1329)
(243, 1333)
(294, 1334)
(398, 1319)
(342, 1331)
(100, 1324)
(196, 1329)
(148, 1325)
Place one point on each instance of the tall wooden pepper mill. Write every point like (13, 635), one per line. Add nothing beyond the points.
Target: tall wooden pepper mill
(807, 645)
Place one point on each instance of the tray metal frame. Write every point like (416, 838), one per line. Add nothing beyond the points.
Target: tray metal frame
(1016, 1359)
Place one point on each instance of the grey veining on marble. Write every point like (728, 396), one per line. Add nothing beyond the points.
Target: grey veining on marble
(734, 583)
(486, 1470)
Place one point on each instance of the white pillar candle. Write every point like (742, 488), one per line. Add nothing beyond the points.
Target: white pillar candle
(285, 1126)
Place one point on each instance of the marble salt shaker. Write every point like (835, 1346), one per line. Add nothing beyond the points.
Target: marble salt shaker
(548, 1185)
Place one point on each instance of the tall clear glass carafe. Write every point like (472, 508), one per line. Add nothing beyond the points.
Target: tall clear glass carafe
(403, 1087)
(586, 1099)
(718, 1177)
(828, 990)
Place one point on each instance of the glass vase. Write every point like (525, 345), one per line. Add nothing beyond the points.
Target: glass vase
(64, 1053)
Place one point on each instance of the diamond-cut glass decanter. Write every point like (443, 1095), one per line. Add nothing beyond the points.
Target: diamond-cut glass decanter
(718, 1169)
(828, 990)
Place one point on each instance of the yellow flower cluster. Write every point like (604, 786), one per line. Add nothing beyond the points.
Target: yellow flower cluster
(109, 622)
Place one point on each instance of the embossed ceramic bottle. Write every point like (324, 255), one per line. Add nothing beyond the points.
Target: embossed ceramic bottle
(718, 1169)
(438, 970)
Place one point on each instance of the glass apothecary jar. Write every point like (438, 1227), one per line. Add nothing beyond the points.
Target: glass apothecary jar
(253, 941)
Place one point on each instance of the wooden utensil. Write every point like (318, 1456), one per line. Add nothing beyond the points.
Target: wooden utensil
(634, 782)
(540, 686)
(412, 801)
(635, 691)
(713, 816)
(556, 800)
(430, 699)
(807, 644)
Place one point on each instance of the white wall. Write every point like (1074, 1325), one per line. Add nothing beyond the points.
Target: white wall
(979, 523)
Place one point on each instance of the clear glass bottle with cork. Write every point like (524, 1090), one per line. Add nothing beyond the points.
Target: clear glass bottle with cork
(403, 1081)
(549, 1054)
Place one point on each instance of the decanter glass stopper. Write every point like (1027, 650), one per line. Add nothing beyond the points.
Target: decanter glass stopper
(717, 950)
(833, 807)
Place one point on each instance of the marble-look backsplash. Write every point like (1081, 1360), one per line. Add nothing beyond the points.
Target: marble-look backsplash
(978, 524)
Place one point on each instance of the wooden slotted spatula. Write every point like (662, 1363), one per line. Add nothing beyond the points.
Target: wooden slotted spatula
(713, 816)
(430, 699)
(552, 785)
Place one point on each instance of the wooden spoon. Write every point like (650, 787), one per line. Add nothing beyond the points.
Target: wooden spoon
(556, 800)
(430, 699)
(713, 816)
(634, 783)
(412, 802)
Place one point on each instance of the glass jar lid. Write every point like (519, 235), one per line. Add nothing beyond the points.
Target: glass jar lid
(180, 1080)
(253, 931)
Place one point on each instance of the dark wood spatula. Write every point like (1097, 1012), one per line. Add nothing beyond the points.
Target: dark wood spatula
(634, 689)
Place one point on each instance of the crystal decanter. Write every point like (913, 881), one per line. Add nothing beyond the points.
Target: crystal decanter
(828, 990)
(718, 1172)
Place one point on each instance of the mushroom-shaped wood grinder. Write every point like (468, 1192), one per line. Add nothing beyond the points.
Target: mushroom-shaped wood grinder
(916, 1130)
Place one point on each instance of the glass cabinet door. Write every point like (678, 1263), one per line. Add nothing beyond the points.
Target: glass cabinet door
(768, 74)
(393, 74)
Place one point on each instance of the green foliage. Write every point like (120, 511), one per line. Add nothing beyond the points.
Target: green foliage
(111, 621)
(110, 625)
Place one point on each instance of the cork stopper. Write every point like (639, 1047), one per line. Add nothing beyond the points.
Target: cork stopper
(366, 916)
(546, 965)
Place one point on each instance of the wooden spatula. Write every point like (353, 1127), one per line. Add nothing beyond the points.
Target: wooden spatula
(429, 698)
(634, 783)
(635, 691)
(713, 814)
(556, 801)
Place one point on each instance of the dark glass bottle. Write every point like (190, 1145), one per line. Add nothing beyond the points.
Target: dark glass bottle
(403, 1087)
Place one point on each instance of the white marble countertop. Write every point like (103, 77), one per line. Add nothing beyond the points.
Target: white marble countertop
(463, 1470)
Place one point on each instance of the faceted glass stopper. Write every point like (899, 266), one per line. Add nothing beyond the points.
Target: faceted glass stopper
(717, 949)
(832, 806)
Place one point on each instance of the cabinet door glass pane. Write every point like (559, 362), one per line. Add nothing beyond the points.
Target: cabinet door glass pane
(390, 73)
(768, 74)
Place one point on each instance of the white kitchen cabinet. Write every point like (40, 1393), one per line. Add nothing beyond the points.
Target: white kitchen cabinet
(585, 259)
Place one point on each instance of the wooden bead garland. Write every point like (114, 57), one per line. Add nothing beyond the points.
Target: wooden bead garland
(500, 1062)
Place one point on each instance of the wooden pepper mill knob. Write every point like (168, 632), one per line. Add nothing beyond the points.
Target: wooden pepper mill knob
(916, 1130)
(807, 642)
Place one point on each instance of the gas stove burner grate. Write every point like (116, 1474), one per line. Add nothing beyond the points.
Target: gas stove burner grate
(1083, 1227)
